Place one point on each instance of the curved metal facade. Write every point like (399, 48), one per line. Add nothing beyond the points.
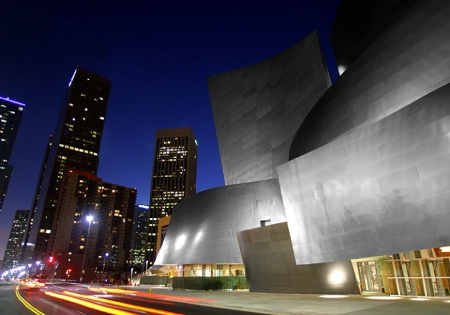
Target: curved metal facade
(380, 189)
(203, 228)
(257, 109)
(403, 64)
(369, 169)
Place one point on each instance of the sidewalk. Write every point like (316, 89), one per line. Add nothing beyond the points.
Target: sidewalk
(306, 304)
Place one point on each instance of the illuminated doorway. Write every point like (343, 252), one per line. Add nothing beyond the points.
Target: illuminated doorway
(370, 277)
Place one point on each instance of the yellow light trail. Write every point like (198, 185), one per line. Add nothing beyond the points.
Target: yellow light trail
(154, 296)
(26, 304)
(115, 303)
(90, 305)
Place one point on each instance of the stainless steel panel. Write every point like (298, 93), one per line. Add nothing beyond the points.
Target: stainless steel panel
(401, 161)
(203, 229)
(408, 73)
(362, 175)
(367, 189)
(434, 166)
(399, 179)
(400, 115)
(238, 94)
(362, 145)
(434, 185)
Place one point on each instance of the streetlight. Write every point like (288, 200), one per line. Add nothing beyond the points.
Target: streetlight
(146, 263)
(89, 218)
(104, 260)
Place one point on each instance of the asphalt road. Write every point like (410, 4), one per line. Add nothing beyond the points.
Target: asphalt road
(71, 299)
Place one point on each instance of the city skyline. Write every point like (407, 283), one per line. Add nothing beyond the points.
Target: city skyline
(151, 79)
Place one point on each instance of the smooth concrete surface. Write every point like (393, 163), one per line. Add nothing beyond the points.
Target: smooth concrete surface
(305, 304)
(258, 109)
(269, 260)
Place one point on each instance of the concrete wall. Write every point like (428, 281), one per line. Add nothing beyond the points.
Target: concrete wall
(258, 109)
(270, 266)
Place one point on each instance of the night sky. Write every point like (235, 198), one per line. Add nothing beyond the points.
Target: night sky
(158, 55)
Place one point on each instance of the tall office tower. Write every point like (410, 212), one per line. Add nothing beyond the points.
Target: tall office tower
(15, 240)
(174, 177)
(95, 218)
(117, 204)
(76, 145)
(139, 241)
(10, 117)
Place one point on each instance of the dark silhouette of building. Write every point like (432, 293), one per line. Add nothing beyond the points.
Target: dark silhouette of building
(15, 240)
(174, 177)
(27, 250)
(10, 117)
(75, 145)
(139, 240)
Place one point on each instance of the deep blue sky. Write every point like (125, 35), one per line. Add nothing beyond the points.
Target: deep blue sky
(158, 55)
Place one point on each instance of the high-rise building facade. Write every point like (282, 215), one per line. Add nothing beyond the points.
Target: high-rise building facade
(174, 177)
(116, 214)
(10, 117)
(15, 240)
(93, 229)
(139, 241)
(75, 145)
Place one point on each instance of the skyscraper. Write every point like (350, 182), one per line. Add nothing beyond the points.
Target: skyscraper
(81, 244)
(174, 177)
(139, 240)
(75, 145)
(14, 245)
(10, 117)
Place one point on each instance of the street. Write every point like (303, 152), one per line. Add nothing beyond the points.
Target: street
(71, 299)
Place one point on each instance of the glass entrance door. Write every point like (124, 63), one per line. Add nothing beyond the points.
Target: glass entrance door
(369, 274)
